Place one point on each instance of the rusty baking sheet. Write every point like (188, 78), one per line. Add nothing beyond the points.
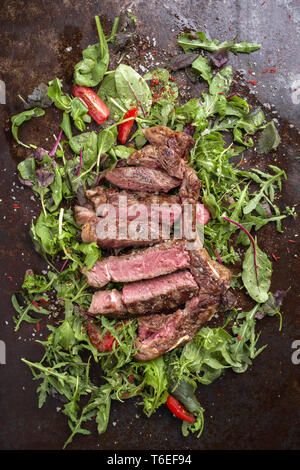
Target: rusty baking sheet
(43, 39)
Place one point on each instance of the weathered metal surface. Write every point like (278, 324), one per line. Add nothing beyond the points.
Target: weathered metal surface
(256, 410)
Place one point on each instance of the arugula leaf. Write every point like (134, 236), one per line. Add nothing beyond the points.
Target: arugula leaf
(155, 380)
(18, 119)
(24, 311)
(91, 69)
(197, 40)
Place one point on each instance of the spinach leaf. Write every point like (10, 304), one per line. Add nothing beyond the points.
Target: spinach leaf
(91, 69)
(257, 281)
(18, 119)
(79, 114)
(66, 125)
(269, 139)
(60, 100)
(132, 89)
(204, 69)
(77, 142)
(109, 95)
(221, 81)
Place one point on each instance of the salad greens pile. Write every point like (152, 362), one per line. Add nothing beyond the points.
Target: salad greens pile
(223, 125)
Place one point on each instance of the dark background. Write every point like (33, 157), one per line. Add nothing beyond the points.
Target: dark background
(255, 410)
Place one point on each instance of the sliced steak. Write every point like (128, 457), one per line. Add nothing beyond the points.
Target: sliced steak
(165, 208)
(161, 294)
(212, 277)
(163, 157)
(190, 187)
(143, 264)
(146, 157)
(142, 179)
(107, 302)
(120, 234)
(178, 141)
(83, 214)
(160, 333)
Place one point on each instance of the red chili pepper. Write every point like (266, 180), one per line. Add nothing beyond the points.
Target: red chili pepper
(239, 337)
(253, 82)
(38, 326)
(178, 410)
(96, 108)
(266, 70)
(125, 128)
(272, 70)
(43, 300)
(131, 378)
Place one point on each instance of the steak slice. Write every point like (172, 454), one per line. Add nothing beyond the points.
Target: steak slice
(83, 214)
(146, 156)
(165, 208)
(161, 294)
(142, 179)
(107, 302)
(212, 277)
(143, 264)
(121, 233)
(159, 333)
(190, 187)
(165, 293)
(162, 157)
(181, 142)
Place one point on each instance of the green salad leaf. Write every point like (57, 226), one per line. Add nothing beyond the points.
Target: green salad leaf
(18, 119)
(91, 69)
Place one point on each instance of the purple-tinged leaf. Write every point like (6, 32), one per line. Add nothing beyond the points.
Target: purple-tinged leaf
(44, 177)
(54, 148)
